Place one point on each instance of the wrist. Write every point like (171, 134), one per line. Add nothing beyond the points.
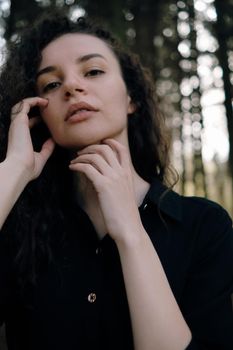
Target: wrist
(132, 238)
(20, 173)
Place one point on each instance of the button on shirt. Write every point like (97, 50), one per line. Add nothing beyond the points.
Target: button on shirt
(80, 299)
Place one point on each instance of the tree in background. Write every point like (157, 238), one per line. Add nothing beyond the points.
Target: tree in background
(223, 30)
(168, 34)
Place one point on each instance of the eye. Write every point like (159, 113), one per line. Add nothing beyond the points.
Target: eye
(94, 72)
(51, 86)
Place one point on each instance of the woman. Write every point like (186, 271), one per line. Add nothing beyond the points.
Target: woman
(95, 251)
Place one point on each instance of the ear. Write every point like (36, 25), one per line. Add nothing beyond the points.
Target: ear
(131, 106)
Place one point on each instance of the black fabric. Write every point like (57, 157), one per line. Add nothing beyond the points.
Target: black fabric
(194, 240)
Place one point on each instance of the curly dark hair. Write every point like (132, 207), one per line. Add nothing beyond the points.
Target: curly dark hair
(37, 222)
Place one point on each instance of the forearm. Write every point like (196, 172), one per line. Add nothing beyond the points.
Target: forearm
(12, 182)
(157, 321)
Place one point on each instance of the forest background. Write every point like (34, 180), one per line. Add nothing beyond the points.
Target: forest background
(188, 45)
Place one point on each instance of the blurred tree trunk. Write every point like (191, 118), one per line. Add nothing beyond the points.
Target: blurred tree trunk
(195, 97)
(145, 25)
(109, 12)
(223, 34)
(181, 76)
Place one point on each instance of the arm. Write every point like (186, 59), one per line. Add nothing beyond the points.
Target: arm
(22, 164)
(157, 322)
(156, 319)
(207, 298)
(12, 184)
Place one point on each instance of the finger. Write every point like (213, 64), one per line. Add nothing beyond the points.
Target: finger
(105, 151)
(121, 151)
(47, 149)
(16, 108)
(96, 160)
(91, 172)
(23, 107)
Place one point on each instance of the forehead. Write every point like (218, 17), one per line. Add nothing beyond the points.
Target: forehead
(74, 45)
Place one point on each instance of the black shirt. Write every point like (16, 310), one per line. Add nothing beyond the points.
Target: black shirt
(80, 300)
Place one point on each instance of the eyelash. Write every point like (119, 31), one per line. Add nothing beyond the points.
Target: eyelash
(54, 84)
(51, 86)
(94, 72)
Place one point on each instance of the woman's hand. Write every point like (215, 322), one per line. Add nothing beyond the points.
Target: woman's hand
(22, 164)
(20, 149)
(107, 166)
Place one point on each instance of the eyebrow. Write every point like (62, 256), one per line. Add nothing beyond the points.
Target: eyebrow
(81, 59)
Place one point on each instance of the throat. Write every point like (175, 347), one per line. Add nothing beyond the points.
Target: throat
(86, 197)
(97, 220)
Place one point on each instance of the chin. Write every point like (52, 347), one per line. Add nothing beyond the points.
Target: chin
(77, 145)
(79, 141)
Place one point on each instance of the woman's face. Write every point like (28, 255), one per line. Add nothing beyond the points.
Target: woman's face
(88, 99)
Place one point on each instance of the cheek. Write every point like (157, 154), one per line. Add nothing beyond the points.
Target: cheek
(44, 114)
(55, 128)
(117, 95)
(47, 117)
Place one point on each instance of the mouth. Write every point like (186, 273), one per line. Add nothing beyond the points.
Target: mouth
(79, 109)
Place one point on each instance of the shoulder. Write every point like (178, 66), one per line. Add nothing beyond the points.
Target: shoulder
(189, 214)
(200, 221)
(204, 212)
(209, 228)
(186, 209)
(200, 205)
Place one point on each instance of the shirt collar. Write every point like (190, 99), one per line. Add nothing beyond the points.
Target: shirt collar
(168, 201)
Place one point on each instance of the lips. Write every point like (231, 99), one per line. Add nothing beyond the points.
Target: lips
(79, 107)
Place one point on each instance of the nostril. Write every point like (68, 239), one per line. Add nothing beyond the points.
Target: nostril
(70, 92)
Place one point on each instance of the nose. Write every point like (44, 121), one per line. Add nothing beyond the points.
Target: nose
(73, 86)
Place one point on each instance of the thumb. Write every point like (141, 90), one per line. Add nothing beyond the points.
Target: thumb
(47, 149)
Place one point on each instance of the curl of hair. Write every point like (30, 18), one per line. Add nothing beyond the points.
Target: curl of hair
(38, 223)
